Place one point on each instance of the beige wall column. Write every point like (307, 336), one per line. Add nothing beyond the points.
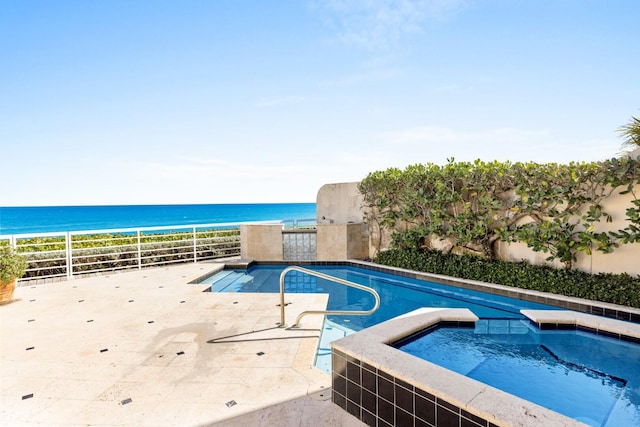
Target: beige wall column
(339, 204)
(339, 242)
(261, 242)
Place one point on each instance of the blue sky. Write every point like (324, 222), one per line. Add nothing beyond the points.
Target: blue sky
(136, 102)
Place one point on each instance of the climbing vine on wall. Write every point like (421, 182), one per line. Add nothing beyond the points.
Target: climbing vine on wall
(553, 208)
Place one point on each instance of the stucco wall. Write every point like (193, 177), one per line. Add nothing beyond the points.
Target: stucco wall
(334, 242)
(339, 204)
(345, 237)
(624, 259)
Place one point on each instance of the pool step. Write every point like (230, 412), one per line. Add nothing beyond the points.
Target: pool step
(330, 333)
(239, 264)
(227, 280)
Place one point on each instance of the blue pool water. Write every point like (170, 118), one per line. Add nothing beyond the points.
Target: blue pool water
(398, 295)
(590, 378)
(503, 350)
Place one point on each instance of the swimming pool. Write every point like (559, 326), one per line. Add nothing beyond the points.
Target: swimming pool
(400, 295)
(593, 379)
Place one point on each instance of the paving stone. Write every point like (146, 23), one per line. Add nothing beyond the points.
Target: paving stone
(172, 362)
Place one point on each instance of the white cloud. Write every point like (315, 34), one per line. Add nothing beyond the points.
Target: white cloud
(221, 170)
(206, 180)
(437, 144)
(374, 24)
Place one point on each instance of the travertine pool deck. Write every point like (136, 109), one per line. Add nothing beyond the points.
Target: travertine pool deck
(146, 348)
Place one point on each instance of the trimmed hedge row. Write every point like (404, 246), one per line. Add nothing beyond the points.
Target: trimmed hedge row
(621, 289)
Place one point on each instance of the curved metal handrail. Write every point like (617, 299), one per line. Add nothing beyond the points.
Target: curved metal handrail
(327, 277)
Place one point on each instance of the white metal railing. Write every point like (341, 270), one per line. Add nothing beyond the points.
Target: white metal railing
(72, 253)
(326, 277)
(299, 223)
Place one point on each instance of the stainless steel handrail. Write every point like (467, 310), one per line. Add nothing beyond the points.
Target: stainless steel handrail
(327, 277)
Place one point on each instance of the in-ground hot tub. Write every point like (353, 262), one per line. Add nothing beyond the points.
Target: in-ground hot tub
(382, 384)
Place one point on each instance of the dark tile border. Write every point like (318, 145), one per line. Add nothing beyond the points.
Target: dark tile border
(392, 401)
(571, 324)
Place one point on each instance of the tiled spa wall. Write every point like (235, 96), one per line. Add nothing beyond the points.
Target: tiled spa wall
(379, 399)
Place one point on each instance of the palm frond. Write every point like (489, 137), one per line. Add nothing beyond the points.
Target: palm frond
(630, 133)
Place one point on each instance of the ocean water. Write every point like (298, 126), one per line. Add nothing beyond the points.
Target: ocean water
(44, 219)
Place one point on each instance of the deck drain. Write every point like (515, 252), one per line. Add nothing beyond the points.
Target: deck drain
(90, 320)
(235, 302)
(80, 300)
(103, 350)
(31, 300)
(29, 348)
(27, 396)
(31, 320)
(131, 300)
(260, 353)
(231, 403)
(182, 302)
(180, 353)
(125, 401)
(150, 321)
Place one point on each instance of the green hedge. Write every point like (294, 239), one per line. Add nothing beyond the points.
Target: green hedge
(555, 209)
(620, 289)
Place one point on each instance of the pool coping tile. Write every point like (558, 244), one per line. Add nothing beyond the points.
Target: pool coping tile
(556, 319)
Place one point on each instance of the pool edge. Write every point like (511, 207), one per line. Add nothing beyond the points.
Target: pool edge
(597, 308)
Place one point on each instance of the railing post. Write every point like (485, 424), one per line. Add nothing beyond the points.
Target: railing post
(69, 251)
(139, 251)
(195, 246)
(286, 270)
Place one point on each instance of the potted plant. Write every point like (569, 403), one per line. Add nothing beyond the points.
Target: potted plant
(12, 267)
